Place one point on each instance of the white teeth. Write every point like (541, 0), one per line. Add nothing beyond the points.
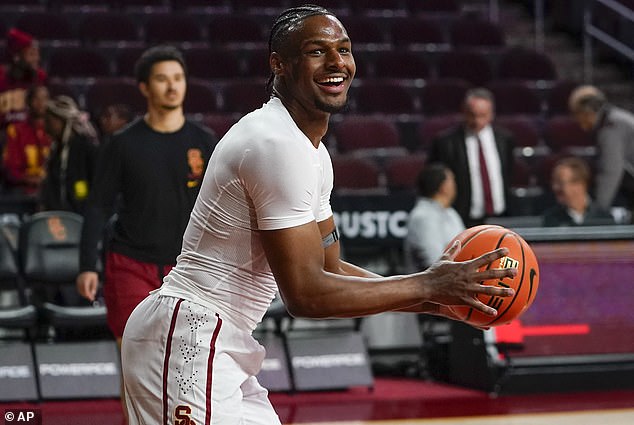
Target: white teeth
(332, 80)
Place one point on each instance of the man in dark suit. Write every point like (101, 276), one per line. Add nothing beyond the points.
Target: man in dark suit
(480, 156)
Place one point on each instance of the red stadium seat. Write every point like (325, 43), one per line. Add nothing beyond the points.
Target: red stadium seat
(78, 62)
(108, 91)
(235, 29)
(244, 96)
(125, 59)
(200, 98)
(515, 97)
(414, 32)
(475, 32)
(108, 27)
(401, 64)
(202, 62)
(563, 134)
(46, 26)
(401, 172)
(525, 129)
(432, 126)
(372, 134)
(170, 27)
(557, 97)
(219, 123)
(467, 65)
(526, 64)
(354, 173)
(443, 96)
(377, 96)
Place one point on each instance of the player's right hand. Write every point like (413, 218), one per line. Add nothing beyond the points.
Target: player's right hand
(459, 283)
(87, 283)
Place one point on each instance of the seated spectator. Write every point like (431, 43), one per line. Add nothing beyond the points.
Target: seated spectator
(73, 156)
(570, 183)
(27, 146)
(21, 72)
(113, 118)
(433, 222)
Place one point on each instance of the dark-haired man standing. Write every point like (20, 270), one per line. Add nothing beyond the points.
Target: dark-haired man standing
(263, 223)
(152, 171)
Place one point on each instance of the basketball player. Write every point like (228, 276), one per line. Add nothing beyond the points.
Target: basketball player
(262, 223)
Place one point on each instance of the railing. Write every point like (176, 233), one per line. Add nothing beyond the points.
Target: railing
(592, 32)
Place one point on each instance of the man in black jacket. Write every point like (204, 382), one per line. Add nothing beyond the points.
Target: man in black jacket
(480, 156)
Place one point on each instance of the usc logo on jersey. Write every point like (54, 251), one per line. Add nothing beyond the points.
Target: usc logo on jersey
(182, 415)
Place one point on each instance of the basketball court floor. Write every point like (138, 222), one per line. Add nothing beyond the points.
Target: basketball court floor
(393, 401)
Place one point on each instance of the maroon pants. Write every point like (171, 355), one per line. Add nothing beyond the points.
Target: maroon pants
(126, 283)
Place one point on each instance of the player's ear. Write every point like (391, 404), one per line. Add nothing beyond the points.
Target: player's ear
(276, 63)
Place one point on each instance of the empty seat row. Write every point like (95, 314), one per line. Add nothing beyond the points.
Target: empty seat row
(388, 97)
(476, 68)
(99, 27)
(378, 135)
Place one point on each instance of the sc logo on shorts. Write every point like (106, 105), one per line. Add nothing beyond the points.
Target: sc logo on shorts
(182, 415)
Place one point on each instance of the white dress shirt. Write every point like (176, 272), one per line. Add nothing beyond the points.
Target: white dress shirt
(494, 167)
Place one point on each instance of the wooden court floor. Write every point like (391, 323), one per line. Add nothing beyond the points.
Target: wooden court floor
(595, 417)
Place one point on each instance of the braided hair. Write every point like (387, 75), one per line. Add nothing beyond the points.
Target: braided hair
(284, 24)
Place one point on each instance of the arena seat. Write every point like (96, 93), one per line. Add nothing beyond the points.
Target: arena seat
(417, 33)
(47, 27)
(112, 27)
(526, 64)
(366, 32)
(515, 97)
(107, 91)
(525, 129)
(373, 135)
(401, 172)
(220, 123)
(401, 64)
(256, 63)
(201, 98)
(78, 62)
(49, 260)
(475, 32)
(384, 96)
(243, 96)
(16, 312)
(443, 96)
(558, 95)
(202, 63)
(227, 29)
(563, 134)
(432, 126)
(468, 65)
(172, 27)
(356, 174)
(125, 58)
(427, 7)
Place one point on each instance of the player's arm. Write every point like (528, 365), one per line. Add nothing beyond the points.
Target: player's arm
(297, 260)
(332, 252)
(333, 263)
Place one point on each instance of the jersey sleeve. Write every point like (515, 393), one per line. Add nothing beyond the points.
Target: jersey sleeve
(280, 183)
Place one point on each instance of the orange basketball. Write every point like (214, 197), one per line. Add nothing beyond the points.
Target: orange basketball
(479, 240)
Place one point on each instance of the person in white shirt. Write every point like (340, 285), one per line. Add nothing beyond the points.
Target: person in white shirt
(433, 222)
(262, 223)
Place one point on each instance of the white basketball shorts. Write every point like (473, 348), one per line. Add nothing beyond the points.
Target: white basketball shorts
(184, 365)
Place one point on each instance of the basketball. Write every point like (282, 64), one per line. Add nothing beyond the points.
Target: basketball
(479, 240)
